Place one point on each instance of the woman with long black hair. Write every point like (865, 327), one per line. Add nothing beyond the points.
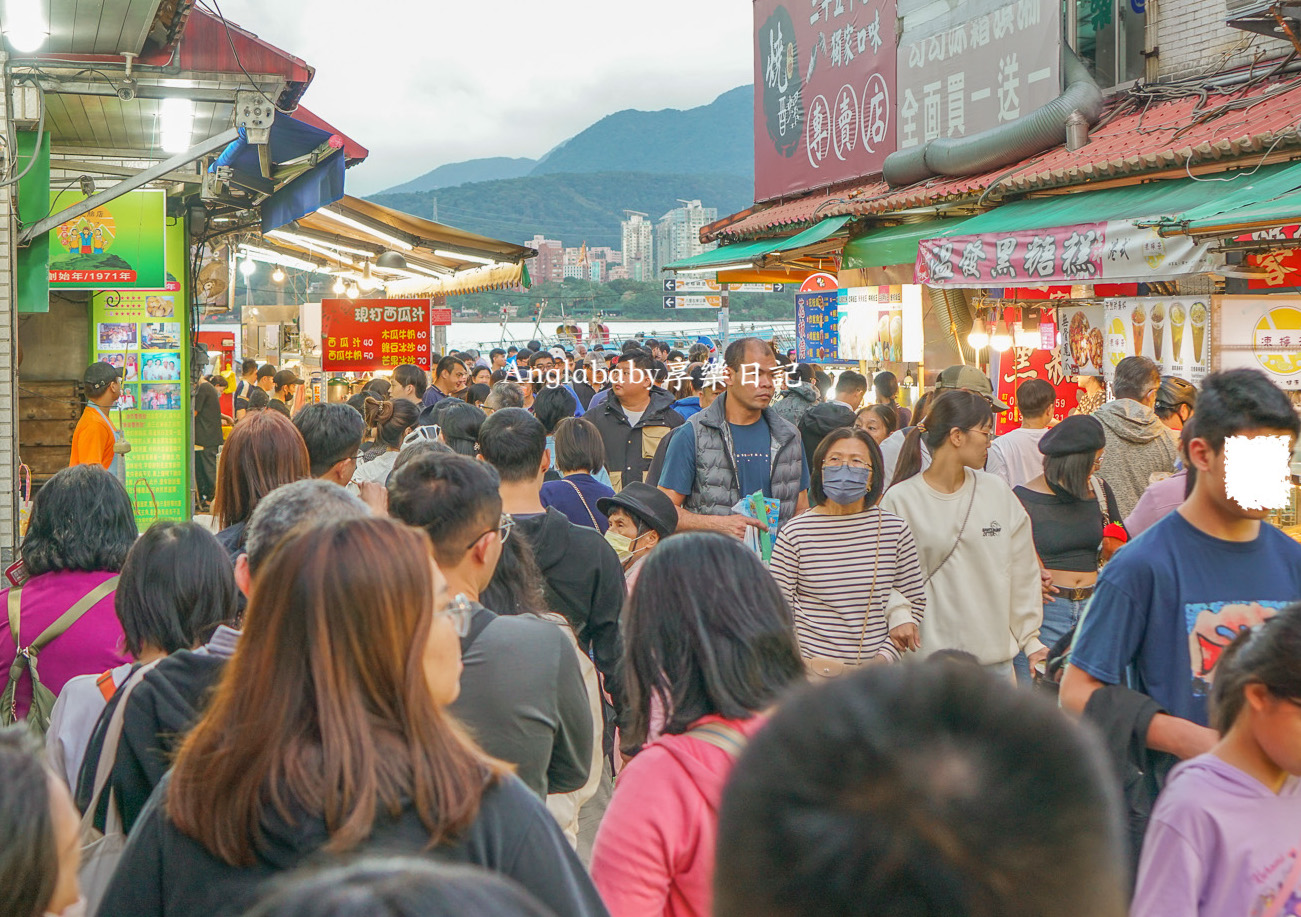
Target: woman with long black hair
(983, 593)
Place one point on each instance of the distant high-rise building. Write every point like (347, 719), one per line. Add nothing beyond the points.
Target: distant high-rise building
(638, 246)
(677, 234)
(549, 265)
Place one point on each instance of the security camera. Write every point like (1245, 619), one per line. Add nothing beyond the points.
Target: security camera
(126, 90)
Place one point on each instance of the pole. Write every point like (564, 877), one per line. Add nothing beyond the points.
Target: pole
(723, 323)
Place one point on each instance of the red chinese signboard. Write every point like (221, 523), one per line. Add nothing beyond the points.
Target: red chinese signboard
(1021, 364)
(363, 335)
(1282, 265)
(824, 75)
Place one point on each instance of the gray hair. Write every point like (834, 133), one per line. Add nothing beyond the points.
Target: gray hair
(504, 395)
(303, 503)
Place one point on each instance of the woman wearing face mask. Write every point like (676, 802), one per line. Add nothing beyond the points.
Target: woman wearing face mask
(977, 553)
(41, 850)
(640, 517)
(848, 569)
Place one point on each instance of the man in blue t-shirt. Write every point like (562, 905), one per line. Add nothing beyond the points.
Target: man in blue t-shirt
(752, 429)
(1171, 601)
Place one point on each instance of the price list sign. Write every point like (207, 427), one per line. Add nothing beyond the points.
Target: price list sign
(369, 334)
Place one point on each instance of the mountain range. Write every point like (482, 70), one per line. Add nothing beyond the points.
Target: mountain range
(630, 160)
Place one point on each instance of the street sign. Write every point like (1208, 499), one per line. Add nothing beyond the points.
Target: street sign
(756, 287)
(692, 285)
(693, 302)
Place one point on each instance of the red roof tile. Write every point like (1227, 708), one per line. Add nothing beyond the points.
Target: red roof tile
(1237, 128)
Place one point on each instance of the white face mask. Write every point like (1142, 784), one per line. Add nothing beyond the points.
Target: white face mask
(75, 909)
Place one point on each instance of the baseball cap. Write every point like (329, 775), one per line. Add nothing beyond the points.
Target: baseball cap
(100, 374)
(557, 352)
(649, 504)
(286, 377)
(971, 379)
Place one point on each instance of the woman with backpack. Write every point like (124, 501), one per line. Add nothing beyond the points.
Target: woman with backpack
(82, 527)
(708, 639)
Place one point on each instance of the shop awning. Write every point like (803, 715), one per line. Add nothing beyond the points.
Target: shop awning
(893, 244)
(476, 280)
(1268, 198)
(758, 252)
(1103, 236)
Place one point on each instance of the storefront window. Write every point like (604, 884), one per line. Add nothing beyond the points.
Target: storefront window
(1109, 36)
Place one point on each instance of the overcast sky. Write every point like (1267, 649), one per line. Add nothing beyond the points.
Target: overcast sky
(424, 83)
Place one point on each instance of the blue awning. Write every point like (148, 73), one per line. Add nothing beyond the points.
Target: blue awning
(290, 139)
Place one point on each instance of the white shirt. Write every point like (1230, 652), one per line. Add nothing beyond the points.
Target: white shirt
(73, 720)
(376, 471)
(890, 450)
(1015, 456)
(634, 417)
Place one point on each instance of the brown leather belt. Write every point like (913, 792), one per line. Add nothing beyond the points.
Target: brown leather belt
(1075, 594)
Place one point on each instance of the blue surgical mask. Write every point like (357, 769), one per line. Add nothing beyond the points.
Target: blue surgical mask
(845, 484)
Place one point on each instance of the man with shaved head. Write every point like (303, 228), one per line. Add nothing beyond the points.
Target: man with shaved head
(736, 447)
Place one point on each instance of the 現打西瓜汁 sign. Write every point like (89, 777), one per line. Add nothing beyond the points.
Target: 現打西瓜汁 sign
(370, 334)
(824, 76)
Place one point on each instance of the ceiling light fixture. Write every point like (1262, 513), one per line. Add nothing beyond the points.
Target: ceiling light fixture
(278, 275)
(176, 125)
(362, 227)
(352, 291)
(338, 285)
(461, 256)
(25, 25)
(247, 266)
(978, 338)
(1001, 339)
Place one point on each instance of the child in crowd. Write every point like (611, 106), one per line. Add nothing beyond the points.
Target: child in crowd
(1224, 837)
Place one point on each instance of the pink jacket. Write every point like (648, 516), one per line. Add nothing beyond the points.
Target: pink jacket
(654, 852)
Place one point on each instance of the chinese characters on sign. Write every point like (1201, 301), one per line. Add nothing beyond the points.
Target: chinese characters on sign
(1019, 364)
(1261, 332)
(1173, 332)
(984, 64)
(118, 246)
(824, 91)
(817, 321)
(370, 334)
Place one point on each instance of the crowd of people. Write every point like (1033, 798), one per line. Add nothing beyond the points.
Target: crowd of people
(645, 632)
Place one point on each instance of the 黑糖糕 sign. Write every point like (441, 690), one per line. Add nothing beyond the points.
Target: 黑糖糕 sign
(1116, 250)
(984, 64)
(370, 334)
(824, 73)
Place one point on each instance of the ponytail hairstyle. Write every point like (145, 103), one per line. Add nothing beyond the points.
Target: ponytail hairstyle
(390, 420)
(957, 409)
(1266, 654)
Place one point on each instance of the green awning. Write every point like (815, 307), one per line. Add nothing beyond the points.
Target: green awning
(1269, 196)
(893, 244)
(746, 253)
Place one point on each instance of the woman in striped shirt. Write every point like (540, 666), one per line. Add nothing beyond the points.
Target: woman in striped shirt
(848, 569)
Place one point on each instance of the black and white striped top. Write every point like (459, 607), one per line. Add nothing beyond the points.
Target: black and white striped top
(823, 565)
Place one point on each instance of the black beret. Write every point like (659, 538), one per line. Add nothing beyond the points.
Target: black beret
(1080, 433)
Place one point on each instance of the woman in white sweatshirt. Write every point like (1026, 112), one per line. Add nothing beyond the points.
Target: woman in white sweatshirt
(973, 538)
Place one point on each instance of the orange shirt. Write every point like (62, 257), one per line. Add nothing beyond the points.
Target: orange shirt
(92, 441)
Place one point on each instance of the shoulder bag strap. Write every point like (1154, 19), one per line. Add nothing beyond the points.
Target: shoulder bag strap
(719, 735)
(961, 531)
(73, 614)
(590, 514)
(1100, 491)
(871, 592)
(108, 751)
(10, 698)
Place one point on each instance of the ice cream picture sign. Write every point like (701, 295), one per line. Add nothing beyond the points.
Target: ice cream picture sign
(1170, 331)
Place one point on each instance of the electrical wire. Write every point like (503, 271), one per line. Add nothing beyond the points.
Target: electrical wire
(216, 11)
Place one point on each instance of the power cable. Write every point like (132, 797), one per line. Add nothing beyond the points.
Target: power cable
(216, 11)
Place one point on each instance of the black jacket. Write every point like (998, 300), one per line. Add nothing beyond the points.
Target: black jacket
(629, 450)
(164, 873)
(820, 420)
(1123, 717)
(524, 701)
(161, 711)
(583, 580)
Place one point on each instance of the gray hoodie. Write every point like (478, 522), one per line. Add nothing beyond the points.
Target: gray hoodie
(1138, 446)
(797, 399)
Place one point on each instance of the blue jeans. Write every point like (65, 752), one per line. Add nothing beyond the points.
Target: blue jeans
(1060, 615)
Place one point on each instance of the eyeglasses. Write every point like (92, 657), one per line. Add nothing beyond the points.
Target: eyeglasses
(988, 434)
(460, 611)
(838, 462)
(503, 530)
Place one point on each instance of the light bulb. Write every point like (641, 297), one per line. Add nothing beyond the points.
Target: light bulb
(247, 267)
(1001, 339)
(278, 275)
(338, 285)
(352, 292)
(979, 336)
(25, 28)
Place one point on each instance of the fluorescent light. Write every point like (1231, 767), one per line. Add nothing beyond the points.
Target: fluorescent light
(269, 257)
(25, 25)
(176, 125)
(428, 271)
(362, 227)
(738, 266)
(459, 256)
(308, 242)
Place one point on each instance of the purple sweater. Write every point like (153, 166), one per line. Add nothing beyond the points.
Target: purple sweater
(93, 644)
(1220, 844)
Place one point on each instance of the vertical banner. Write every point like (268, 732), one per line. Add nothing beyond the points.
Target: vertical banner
(1261, 332)
(118, 246)
(871, 324)
(817, 321)
(1020, 364)
(824, 103)
(1174, 332)
(146, 333)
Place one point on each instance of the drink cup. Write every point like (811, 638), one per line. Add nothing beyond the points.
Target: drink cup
(1178, 316)
(1139, 321)
(1197, 315)
(1158, 332)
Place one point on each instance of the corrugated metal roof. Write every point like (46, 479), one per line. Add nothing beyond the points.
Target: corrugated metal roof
(1238, 129)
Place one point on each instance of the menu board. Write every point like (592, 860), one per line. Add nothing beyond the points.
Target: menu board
(871, 324)
(145, 334)
(1174, 332)
(1264, 333)
(368, 334)
(817, 339)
